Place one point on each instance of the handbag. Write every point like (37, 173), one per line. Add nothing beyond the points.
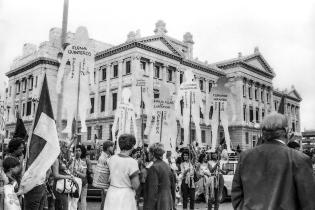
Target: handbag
(66, 186)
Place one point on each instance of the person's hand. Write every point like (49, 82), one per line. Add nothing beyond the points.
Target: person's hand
(20, 192)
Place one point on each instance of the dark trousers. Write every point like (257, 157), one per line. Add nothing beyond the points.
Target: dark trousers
(214, 203)
(36, 198)
(188, 193)
(61, 202)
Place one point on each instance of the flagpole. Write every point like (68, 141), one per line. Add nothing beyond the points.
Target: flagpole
(161, 127)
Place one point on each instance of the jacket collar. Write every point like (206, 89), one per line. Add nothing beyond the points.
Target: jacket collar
(276, 142)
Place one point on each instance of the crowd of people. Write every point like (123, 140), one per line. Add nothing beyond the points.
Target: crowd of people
(274, 175)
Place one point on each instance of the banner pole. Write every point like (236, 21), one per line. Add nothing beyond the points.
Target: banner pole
(161, 127)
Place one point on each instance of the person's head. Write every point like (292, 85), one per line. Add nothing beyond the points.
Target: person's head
(185, 155)
(274, 126)
(135, 154)
(80, 151)
(16, 146)
(11, 165)
(156, 151)
(108, 147)
(63, 147)
(202, 158)
(214, 156)
(294, 145)
(126, 142)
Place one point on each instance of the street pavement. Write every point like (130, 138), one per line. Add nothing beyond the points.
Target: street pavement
(95, 205)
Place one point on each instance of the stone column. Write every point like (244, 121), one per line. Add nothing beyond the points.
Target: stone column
(164, 73)
(96, 94)
(271, 99)
(107, 98)
(177, 76)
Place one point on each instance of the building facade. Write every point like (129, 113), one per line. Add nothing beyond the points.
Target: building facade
(164, 60)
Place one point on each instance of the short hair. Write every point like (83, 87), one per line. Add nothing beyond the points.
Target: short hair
(293, 144)
(201, 157)
(107, 144)
(274, 126)
(185, 152)
(10, 162)
(83, 150)
(157, 150)
(126, 141)
(14, 144)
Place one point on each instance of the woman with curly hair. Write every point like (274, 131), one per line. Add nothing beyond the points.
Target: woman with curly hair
(124, 177)
(159, 193)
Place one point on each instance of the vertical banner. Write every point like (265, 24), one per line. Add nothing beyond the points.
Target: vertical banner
(77, 71)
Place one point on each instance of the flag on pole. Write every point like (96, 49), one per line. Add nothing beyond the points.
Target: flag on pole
(20, 130)
(43, 146)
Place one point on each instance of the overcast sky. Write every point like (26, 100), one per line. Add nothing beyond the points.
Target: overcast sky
(284, 31)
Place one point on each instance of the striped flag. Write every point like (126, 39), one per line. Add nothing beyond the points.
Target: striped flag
(20, 130)
(43, 147)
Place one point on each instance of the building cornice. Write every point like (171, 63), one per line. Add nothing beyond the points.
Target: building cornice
(32, 64)
(286, 95)
(249, 67)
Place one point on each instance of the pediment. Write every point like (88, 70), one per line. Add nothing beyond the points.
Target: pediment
(260, 63)
(161, 43)
(295, 94)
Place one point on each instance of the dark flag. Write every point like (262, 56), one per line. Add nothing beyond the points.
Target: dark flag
(20, 130)
(281, 105)
(43, 147)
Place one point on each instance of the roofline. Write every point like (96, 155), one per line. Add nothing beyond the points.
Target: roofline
(280, 94)
(137, 44)
(32, 64)
(239, 63)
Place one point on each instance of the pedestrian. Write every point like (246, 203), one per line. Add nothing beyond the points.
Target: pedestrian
(273, 176)
(204, 174)
(188, 183)
(60, 170)
(101, 172)
(159, 190)
(79, 169)
(124, 177)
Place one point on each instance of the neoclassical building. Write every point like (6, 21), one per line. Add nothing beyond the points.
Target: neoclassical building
(164, 60)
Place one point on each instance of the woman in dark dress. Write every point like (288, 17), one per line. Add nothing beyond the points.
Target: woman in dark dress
(159, 193)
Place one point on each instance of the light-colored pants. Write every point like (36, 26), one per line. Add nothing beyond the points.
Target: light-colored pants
(83, 204)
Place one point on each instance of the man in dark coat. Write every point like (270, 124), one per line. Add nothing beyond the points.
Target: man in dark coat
(273, 176)
(159, 191)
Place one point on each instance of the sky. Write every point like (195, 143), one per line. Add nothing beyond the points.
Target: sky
(284, 31)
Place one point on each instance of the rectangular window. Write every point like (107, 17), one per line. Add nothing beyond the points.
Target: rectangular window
(201, 84)
(110, 132)
(169, 75)
(244, 90)
(94, 74)
(102, 103)
(210, 86)
(256, 94)
(100, 132)
(181, 107)
(268, 97)
(156, 71)
(143, 65)
(28, 108)
(128, 67)
(103, 74)
(293, 126)
(115, 75)
(24, 85)
(244, 113)
(251, 114)
(246, 138)
(257, 115)
(262, 96)
(182, 134)
(156, 93)
(114, 101)
(203, 136)
(89, 132)
(10, 90)
(23, 109)
(250, 91)
(92, 106)
(201, 115)
(181, 78)
(254, 141)
(30, 85)
(18, 87)
(275, 104)
(262, 113)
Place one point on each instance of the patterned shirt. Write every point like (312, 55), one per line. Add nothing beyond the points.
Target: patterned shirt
(101, 172)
